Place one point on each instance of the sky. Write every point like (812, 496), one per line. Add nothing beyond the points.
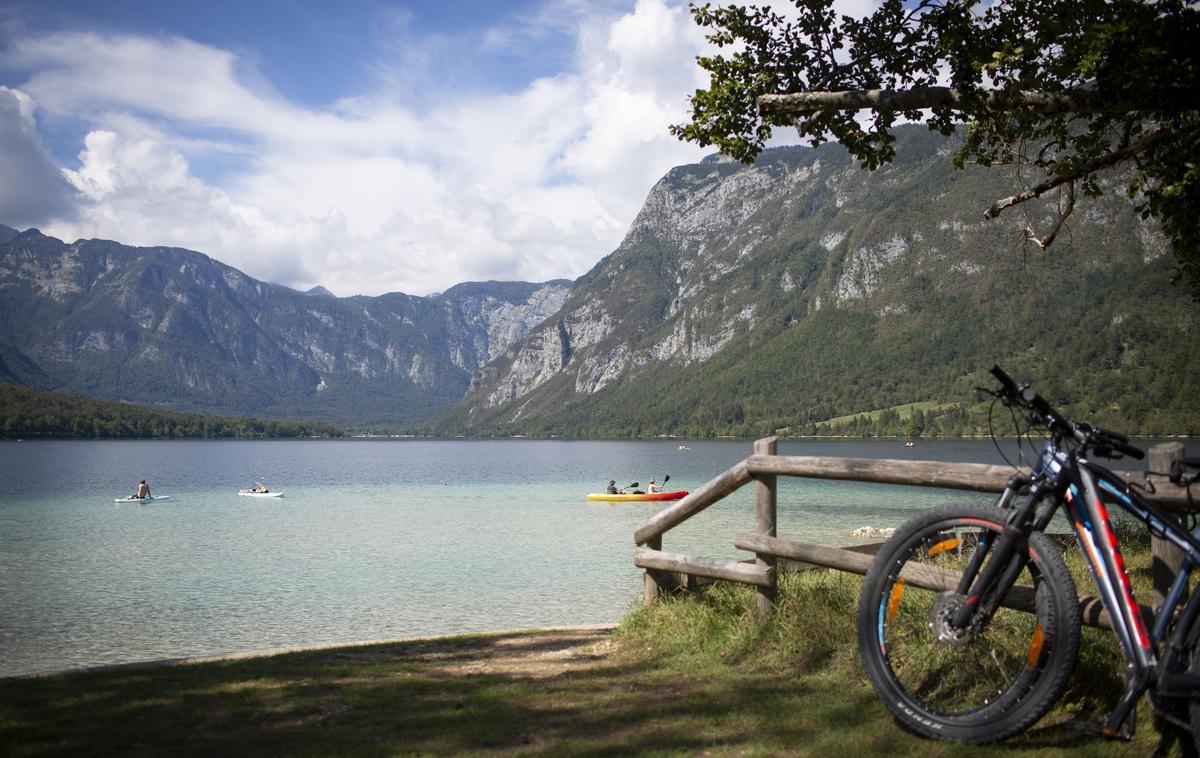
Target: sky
(367, 146)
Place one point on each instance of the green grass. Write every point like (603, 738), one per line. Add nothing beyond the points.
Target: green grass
(905, 412)
(804, 663)
(695, 673)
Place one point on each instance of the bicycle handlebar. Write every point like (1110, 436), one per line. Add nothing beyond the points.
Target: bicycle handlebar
(1005, 380)
(1102, 441)
(1130, 450)
(1110, 433)
(1176, 476)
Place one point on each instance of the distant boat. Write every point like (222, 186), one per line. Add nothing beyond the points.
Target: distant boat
(910, 444)
(252, 493)
(683, 447)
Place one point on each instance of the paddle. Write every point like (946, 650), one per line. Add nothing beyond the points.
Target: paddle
(662, 487)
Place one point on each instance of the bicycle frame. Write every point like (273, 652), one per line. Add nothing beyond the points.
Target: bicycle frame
(1085, 489)
(1089, 489)
(1161, 648)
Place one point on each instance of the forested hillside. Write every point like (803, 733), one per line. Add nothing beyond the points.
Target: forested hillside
(27, 413)
(804, 294)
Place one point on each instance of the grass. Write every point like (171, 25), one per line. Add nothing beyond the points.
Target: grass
(693, 674)
(905, 412)
(822, 704)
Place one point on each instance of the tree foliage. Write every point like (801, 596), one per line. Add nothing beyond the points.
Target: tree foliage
(1121, 77)
(32, 413)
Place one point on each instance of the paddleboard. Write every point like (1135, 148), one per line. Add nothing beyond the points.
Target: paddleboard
(604, 496)
(141, 500)
(243, 493)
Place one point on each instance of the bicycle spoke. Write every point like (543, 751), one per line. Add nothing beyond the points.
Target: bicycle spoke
(955, 671)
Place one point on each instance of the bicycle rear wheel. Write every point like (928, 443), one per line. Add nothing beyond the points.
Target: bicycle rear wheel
(1194, 702)
(979, 684)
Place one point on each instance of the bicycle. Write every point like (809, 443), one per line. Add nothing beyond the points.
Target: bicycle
(968, 622)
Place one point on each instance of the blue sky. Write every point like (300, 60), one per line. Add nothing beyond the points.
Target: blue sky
(367, 146)
(317, 51)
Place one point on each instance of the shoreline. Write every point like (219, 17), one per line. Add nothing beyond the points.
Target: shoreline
(241, 655)
(556, 438)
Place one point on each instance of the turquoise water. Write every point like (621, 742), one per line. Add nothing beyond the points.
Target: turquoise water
(373, 539)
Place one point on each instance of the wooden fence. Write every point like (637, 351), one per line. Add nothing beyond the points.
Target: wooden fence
(765, 466)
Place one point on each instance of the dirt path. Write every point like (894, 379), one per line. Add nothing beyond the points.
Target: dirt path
(539, 654)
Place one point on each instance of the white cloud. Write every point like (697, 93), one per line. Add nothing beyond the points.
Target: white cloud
(140, 191)
(33, 191)
(373, 195)
(83, 73)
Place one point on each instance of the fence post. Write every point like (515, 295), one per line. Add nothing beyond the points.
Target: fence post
(765, 501)
(1166, 558)
(652, 588)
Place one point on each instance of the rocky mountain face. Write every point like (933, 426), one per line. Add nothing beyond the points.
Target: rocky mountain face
(176, 329)
(747, 299)
(743, 300)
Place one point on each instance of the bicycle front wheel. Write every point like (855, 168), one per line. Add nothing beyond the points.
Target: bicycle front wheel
(990, 680)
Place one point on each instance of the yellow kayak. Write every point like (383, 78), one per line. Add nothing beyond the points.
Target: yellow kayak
(633, 498)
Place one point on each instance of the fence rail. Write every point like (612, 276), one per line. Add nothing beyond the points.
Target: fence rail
(763, 468)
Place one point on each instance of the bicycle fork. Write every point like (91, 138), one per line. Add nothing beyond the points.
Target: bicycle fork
(984, 593)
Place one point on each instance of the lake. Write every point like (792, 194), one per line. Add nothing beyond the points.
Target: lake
(373, 539)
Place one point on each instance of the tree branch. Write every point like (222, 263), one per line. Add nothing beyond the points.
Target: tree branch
(1090, 166)
(1044, 242)
(799, 104)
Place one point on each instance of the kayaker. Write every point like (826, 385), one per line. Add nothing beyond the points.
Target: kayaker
(143, 490)
(653, 487)
(612, 487)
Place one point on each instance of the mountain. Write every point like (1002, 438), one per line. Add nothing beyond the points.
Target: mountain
(178, 330)
(803, 288)
(800, 294)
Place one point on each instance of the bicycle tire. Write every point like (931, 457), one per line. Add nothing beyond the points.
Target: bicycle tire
(982, 684)
(1194, 703)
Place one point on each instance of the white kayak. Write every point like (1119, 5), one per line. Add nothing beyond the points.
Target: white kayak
(141, 499)
(247, 493)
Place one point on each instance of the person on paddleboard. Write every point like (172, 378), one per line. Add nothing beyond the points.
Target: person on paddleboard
(143, 491)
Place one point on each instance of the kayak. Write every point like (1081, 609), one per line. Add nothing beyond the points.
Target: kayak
(141, 499)
(244, 493)
(604, 496)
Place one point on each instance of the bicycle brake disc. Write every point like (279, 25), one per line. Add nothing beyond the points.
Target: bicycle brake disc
(941, 620)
